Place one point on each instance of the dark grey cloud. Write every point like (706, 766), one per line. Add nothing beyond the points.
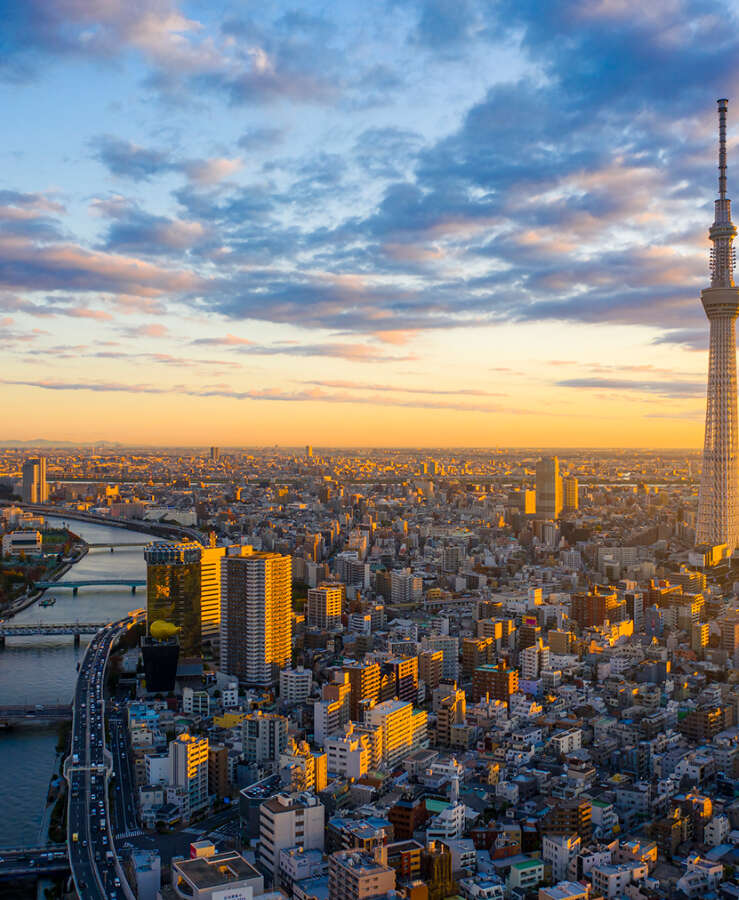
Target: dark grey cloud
(690, 338)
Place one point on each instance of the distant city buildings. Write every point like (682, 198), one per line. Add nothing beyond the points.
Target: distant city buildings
(35, 488)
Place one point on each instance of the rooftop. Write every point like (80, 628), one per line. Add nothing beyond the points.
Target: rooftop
(212, 871)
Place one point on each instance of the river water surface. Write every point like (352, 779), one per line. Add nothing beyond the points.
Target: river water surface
(43, 670)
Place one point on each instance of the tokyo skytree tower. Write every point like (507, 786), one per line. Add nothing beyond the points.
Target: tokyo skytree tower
(718, 505)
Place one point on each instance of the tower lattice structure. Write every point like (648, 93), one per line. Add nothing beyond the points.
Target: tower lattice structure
(718, 506)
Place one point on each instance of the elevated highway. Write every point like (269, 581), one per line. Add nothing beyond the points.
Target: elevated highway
(96, 870)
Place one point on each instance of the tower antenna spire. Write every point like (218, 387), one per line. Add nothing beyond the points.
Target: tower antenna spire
(722, 106)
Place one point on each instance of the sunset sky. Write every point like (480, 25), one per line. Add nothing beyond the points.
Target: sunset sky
(360, 223)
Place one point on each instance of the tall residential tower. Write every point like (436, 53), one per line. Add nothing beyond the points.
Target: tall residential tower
(256, 616)
(718, 507)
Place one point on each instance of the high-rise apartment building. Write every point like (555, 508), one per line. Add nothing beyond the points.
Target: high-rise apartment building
(295, 684)
(173, 590)
(357, 875)
(303, 769)
(256, 616)
(548, 488)
(499, 682)
(218, 783)
(263, 737)
(570, 493)
(594, 607)
(323, 607)
(449, 646)
(188, 770)
(35, 488)
(289, 820)
(476, 652)
(394, 717)
(718, 504)
(430, 668)
(405, 587)
(364, 679)
(405, 677)
(533, 660)
(348, 754)
(450, 716)
(210, 591)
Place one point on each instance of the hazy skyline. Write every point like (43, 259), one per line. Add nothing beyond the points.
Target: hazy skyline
(403, 223)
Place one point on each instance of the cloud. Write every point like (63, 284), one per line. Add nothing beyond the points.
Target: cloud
(255, 139)
(402, 389)
(127, 160)
(689, 338)
(349, 351)
(312, 396)
(154, 330)
(133, 230)
(675, 389)
(445, 24)
(211, 171)
(228, 340)
(578, 191)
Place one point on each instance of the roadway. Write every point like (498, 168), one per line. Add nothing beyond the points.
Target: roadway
(124, 813)
(33, 861)
(91, 850)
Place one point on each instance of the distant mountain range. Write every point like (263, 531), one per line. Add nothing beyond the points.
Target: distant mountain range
(43, 442)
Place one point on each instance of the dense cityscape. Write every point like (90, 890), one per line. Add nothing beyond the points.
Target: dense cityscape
(486, 674)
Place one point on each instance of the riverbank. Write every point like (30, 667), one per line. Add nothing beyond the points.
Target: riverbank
(55, 575)
(43, 669)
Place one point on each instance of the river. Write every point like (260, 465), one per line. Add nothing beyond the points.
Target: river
(43, 670)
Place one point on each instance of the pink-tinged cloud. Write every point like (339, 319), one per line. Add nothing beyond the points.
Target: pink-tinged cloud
(211, 171)
(82, 312)
(68, 267)
(229, 340)
(397, 337)
(154, 330)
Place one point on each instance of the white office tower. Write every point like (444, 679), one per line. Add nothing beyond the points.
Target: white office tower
(35, 489)
(718, 509)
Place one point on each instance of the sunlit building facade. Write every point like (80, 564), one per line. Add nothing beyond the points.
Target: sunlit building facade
(173, 590)
(548, 488)
(256, 625)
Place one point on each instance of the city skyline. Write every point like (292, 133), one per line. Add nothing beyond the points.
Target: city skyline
(278, 228)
